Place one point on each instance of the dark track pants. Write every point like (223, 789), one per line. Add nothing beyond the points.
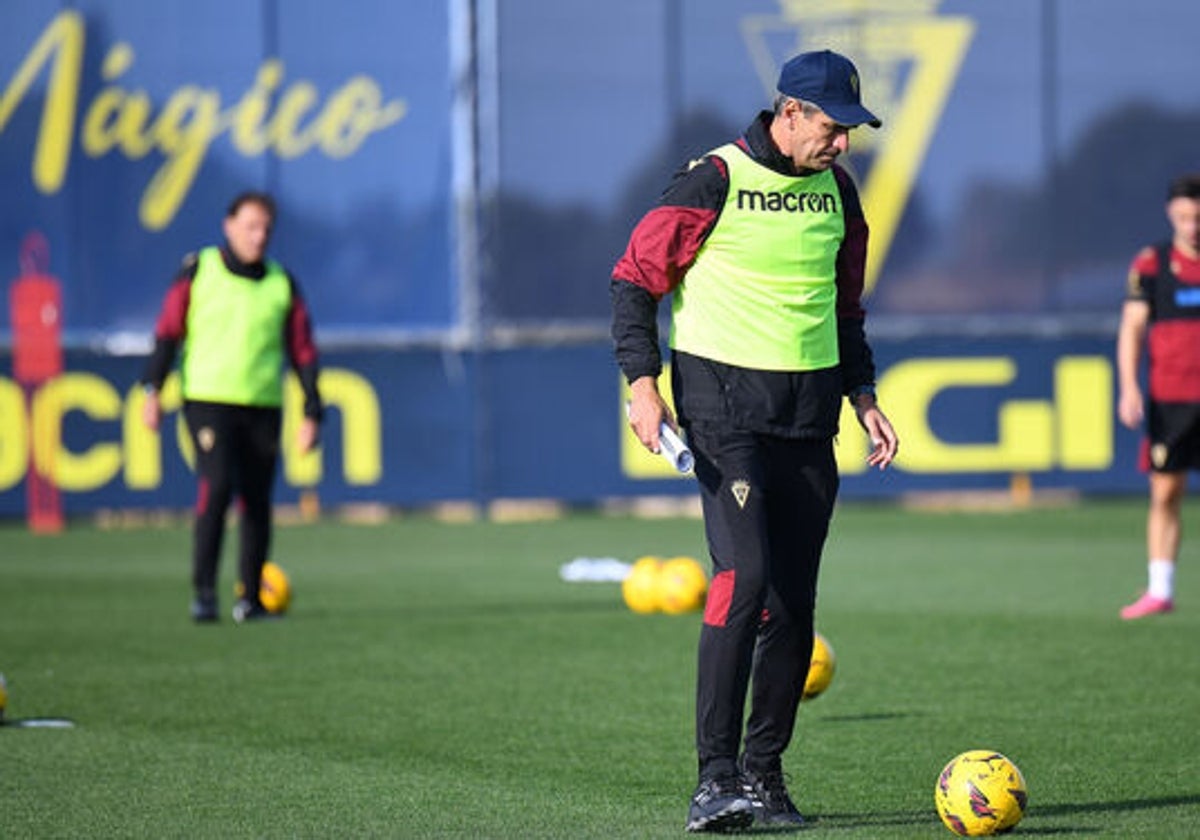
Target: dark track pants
(237, 449)
(767, 503)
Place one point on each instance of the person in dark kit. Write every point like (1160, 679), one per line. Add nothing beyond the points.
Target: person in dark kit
(1160, 320)
(234, 317)
(762, 243)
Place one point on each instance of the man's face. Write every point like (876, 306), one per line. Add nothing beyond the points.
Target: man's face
(248, 231)
(1184, 214)
(815, 140)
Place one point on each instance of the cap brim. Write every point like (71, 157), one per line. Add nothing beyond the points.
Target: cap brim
(852, 115)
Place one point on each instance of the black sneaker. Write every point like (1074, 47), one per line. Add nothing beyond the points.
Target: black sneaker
(204, 610)
(719, 805)
(768, 794)
(244, 611)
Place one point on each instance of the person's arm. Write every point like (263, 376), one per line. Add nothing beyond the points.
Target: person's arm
(856, 358)
(660, 250)
(1131, 338)
(302, 352)
(169, 332)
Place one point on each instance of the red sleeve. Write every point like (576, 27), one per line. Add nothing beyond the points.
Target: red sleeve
(852, 256)
(172, 319)
(666, 240)
(298, 332)
(1142, 272)
(662, 246)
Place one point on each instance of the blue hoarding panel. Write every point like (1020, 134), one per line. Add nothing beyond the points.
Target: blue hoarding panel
(417, 427)
(126, 128)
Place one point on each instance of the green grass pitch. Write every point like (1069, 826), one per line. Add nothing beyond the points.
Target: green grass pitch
(440, 680)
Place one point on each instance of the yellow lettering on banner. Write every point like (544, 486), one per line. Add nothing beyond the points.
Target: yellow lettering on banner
(87, 393)
(62, 41)
(143, 447)
(14, 435)
(285, 134)
(1083, 404)
(358, 406)
(190, 120)
(248, 129)
(355, 112)
(1074, 431)
(140, 454)
(1026, 428)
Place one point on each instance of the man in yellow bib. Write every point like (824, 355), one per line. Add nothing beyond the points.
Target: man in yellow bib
(762, 243)
(235, 317)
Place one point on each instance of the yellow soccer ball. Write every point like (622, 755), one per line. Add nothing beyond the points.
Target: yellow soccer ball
(682, 585)
(274, 589)
(820, 668)
(980, 792)
(640, 587)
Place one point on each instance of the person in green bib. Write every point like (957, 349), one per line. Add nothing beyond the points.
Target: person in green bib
(762, 245)
(235, 318)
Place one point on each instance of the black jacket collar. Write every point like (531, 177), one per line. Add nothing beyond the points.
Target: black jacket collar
(757, 140)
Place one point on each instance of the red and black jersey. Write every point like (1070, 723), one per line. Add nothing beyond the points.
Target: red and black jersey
(1169, 281)
(171, 328)
(666, 241)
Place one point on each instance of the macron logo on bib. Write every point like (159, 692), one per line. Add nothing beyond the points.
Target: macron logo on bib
(786, 202)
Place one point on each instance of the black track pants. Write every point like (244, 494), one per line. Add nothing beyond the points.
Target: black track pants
(237, 449)
(767, 504)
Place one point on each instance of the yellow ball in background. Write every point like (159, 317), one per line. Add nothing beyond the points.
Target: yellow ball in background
(682, 585)
(640, 587)
(820, 669)
(274, 589)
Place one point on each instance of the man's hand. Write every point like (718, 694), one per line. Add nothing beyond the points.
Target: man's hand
(647, 410)
(884, 442)
(1131, 407)
(308, 435)
(151, 410)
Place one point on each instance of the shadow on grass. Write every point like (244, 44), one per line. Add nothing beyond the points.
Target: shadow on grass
(1124, 805)
(851, 822)
(495, 609)
(870, 716)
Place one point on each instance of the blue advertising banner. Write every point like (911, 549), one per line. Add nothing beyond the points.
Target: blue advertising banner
(405, 428)
(457, 178)
(126, 128)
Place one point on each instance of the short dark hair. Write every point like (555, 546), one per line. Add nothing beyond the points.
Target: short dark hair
(262, 199)
(1185, 186)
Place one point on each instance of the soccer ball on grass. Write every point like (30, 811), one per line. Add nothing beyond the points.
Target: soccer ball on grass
(640, 587)
(274, 589)
(681, 586)
(820, 668)
(980, 792)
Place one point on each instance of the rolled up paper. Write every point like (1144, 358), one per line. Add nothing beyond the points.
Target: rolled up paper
(672, 447)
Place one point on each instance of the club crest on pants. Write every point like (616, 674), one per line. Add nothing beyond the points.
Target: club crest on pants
(206, 437)
(1158, 454)
(741, 491)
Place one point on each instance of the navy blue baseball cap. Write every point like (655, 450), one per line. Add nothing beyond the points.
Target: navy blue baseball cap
(829, 81)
